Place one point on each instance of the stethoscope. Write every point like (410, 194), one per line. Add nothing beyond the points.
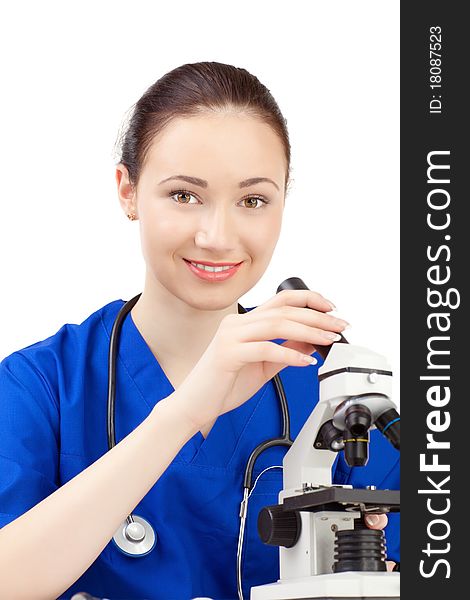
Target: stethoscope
(136, 537)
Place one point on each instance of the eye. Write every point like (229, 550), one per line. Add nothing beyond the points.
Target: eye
(184, 194)
(185, 197)
(255, 199)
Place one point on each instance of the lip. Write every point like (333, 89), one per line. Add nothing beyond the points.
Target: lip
(213, 264)
(213, 276)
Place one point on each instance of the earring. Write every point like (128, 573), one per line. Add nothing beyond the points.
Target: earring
(131, 216)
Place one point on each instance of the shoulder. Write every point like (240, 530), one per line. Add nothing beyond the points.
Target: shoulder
(44, 363)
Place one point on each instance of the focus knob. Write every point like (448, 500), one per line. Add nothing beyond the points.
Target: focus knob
(278, 527)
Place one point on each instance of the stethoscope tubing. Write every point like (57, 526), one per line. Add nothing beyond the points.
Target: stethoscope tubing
(112, 354)
(284, 440)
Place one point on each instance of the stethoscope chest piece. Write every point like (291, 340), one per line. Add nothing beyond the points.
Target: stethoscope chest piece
(135, 539)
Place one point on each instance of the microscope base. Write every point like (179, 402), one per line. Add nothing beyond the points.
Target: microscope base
(333, 586)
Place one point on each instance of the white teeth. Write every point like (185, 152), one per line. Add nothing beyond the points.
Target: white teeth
(212, 269)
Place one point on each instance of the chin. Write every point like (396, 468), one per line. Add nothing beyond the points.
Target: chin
(215, 300)
(211, 303)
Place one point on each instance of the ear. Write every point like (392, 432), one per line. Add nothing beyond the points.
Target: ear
(126, 191)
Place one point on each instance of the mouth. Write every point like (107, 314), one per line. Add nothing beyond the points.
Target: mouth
(213, 271)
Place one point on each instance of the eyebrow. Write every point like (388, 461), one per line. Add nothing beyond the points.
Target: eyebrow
(204, 184)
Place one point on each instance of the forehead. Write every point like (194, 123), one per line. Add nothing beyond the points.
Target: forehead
(218, 145)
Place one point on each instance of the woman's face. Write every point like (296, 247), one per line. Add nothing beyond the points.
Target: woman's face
(194, 203)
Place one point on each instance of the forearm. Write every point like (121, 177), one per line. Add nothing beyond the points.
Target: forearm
(44, 551)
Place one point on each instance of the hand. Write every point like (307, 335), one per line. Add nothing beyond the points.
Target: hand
(240, 358)
(379, 522)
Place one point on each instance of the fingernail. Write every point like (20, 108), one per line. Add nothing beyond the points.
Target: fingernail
(309, 359)
(333, 307)
(372, 519)
(342, 323)
(331, 336)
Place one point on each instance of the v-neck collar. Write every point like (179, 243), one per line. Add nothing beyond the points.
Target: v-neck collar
(134, 354)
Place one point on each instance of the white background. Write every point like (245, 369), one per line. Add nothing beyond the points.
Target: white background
(71, 70)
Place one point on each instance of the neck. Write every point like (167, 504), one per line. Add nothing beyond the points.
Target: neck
(173, 329)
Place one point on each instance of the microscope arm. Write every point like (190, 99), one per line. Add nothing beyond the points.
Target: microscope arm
(323, 552)
(350, 377)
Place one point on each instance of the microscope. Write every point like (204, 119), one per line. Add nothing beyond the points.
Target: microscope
(326, 551)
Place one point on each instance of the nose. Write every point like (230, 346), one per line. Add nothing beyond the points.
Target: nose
(216, 231)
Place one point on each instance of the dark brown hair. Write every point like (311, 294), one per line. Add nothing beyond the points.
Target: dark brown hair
(189, 90)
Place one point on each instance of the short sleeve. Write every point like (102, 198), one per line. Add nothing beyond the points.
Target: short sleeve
(29, 437)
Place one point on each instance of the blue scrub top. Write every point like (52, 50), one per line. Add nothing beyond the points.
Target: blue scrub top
(53, 398)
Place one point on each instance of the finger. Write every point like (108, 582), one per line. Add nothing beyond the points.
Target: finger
(302, 298)
(275, 357)
(390, 565)
(275, 328)
(272, 368)
(306, 316)
(376, 521)
(303, 347)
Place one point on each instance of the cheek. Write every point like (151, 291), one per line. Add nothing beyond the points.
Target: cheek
(260, 244)
(161, 234)
(266, 236)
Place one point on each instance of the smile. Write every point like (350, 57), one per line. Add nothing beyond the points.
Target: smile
(209, 268)
(212, 273)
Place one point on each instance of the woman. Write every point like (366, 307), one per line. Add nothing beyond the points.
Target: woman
(204, 168)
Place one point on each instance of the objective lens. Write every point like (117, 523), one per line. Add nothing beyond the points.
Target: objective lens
(356, 449)
(358, 419)
(389, 424)
(329, 437)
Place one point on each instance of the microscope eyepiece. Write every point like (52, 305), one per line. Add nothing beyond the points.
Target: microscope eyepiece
(295, 283)
(389, 424)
